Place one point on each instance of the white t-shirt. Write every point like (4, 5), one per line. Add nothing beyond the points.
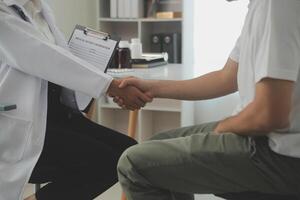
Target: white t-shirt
(269, 46)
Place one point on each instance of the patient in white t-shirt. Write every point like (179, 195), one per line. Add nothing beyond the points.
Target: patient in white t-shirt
(255, 150)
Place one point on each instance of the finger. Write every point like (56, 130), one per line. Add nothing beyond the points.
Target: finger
(110, 95)
(132, 108)
(149, 95)
(135, 99)
(128, 106)
(127, 82)
(135, 104)
(121, 102)
(129, 77)
(143, 104)
(139, 103)
(124, 84)
(116, 100)
(142, 99)
(132, 105)
(145, 98)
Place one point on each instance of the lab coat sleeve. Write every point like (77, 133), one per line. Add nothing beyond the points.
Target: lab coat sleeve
(24, 48)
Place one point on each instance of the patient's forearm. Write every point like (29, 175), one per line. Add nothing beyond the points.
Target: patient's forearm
(248, 122)
(212, 85)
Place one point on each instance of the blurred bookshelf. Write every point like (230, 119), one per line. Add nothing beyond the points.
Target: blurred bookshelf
(144, 26)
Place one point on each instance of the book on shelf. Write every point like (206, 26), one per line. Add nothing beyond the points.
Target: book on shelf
(168, 15)
(152, 6)
(113, 8)
(137, 9)
(127, 8)
(121, 9)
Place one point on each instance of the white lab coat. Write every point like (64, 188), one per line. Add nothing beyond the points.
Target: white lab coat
(27, 62)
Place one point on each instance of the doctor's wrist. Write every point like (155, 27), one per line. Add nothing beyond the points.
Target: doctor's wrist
(113, 88)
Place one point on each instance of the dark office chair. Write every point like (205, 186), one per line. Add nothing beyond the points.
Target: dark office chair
(89, 112)
(257, 196)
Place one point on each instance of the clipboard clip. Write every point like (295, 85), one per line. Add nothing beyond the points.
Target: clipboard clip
(97, 34)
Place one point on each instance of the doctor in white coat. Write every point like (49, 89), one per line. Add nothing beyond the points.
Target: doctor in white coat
(33, 52)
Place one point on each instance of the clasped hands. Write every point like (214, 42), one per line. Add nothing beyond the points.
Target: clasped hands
(130, 93)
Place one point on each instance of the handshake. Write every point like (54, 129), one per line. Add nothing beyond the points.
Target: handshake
(131, 93)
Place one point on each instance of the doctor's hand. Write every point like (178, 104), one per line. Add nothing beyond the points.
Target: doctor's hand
(132, 97)
(146, 86)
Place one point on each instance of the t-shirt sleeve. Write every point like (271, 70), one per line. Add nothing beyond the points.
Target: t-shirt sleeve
(235, 53)
(277, 52)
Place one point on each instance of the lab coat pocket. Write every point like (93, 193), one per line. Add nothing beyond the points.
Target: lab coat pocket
(13, 138)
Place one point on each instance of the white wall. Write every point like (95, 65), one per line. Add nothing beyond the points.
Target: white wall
(216, 29)
(68, 13)
(217, 25)
(187, 118)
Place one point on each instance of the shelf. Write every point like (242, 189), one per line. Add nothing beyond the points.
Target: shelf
(148, 108)
(163, 105)
(161, 20)
(106, 19)
(171, 2)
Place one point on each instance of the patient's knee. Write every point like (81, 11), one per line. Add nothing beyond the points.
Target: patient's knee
(127, 161)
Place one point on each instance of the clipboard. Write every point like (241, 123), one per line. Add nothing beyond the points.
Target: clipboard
(89, 31)
(86, 51)
(95, 47)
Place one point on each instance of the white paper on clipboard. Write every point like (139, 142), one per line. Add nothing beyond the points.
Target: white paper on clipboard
(94, 47)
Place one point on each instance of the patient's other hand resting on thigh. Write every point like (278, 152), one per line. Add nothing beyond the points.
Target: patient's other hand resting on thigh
(132, 97)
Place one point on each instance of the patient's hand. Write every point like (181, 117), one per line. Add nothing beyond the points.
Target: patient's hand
(132, 98)
(143, 85)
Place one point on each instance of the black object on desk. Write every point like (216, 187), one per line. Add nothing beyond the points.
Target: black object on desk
(171, 44)
(156, 43)
(167, 42)
(150, 60)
